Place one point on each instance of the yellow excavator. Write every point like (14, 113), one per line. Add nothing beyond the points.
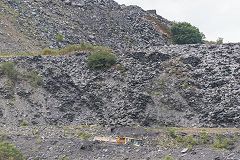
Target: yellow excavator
(123, 140)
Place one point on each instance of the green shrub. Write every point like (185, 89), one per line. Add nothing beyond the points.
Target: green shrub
(9, 151)
(60, 37)
(24, 123)
(185, 33)
(171, 132)
(35, 79)
(9, 70)
(101, 59)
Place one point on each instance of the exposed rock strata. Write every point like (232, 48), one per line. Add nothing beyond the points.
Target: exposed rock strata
(180, 85)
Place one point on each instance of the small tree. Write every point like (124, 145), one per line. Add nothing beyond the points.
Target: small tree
(185, 33)
(101, 59)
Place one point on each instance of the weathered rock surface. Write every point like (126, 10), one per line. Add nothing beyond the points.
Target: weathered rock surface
(180, 85)
(152, 84)
(103, 23)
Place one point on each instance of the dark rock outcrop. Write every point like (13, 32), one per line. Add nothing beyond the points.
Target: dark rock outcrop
(180, 85)
(104, 23)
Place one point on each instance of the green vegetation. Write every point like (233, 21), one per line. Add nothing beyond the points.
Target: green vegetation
(235, 138)
(186, 141)
(60, 37)
(9, 151)
(219, 40)
(9, 70)
(189, 141)
(34, 132)
(84, 135)
(24, 123)
(49, 51)
(204, 137)
(101, 59)
(171, 132)
(221, 143)
(4, 135)
(61, 157)
(11, 102)
(35, 79)
(39, 140)
(70, 49)
(169, 158)
(186, 85)
(185, 33)
(84, 126)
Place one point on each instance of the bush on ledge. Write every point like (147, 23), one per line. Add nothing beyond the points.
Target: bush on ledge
(101, 59)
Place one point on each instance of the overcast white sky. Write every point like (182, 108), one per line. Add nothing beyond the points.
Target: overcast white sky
(215, 18)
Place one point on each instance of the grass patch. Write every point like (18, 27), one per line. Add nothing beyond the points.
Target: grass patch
(84, 135)
(49, 52)
(186, 141)
(204, 137)
(169, 158)
(221, 143)
(39, 140)
(70, 49)
(9, 151)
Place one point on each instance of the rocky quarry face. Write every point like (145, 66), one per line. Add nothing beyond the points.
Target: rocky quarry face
(178, 85)
(99, 22)
(153, 84)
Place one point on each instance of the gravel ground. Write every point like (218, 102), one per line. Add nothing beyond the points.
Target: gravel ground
(56, 142)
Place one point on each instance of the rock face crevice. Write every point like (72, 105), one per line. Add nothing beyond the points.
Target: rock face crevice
(179, 85)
